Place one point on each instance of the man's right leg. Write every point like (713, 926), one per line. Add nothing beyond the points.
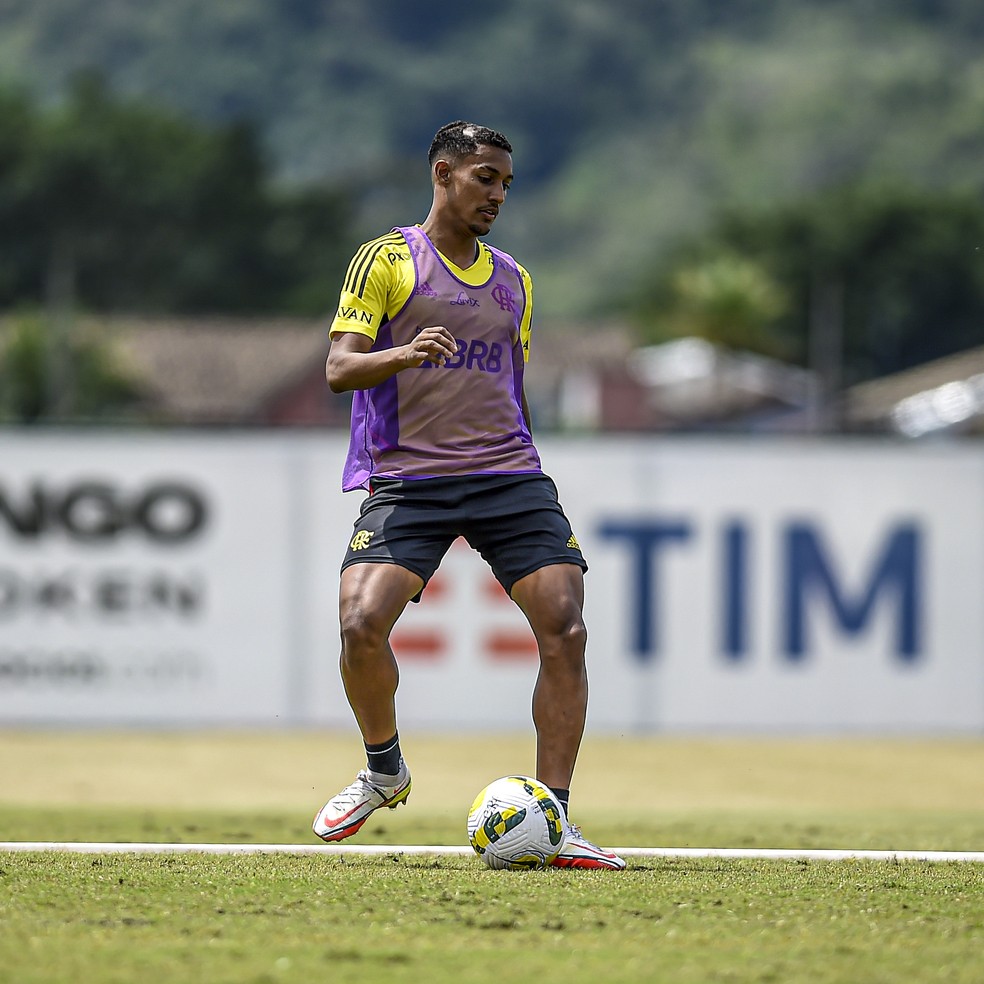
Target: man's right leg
(372, 597)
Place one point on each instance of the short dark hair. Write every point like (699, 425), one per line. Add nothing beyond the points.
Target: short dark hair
(459, 139)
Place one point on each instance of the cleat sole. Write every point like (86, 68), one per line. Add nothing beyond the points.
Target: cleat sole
(399, 800)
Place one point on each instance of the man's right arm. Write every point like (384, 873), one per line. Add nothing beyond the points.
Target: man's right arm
(352, 365)
(366, 297)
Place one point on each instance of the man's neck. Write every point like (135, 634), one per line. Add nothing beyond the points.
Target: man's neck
(460, 250)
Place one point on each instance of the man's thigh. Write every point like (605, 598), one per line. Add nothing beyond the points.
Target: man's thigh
(401, 531)
(522, 528)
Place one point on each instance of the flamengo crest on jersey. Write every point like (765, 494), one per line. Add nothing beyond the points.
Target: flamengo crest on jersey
(463, 418)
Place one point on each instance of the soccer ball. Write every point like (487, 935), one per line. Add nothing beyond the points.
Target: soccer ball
(516, 822)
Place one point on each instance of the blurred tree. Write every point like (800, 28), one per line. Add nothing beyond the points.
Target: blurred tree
(135, 208)
(23, 361)
(897, 272)
(107, 204)
(101, 388)
(119, 205)
(724, 298)
(308, 247)
(17, 132)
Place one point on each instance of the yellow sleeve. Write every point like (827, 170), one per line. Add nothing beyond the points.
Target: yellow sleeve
(526, 322)
(371, 287)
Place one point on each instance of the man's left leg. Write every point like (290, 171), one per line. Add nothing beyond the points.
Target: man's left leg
(552, 598)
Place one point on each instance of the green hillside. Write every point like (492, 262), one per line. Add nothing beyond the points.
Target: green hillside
(635, 122)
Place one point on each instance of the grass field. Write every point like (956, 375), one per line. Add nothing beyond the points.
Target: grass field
(195, 917)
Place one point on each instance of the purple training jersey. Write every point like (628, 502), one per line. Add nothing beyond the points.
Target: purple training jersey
(462, 418)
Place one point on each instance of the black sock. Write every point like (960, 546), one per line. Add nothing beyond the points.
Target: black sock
(385, 758)
(564, 795)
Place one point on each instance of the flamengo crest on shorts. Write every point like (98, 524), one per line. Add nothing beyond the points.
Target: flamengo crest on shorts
(463, 418)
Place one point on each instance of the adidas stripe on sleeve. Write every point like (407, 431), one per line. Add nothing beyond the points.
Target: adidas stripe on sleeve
(367, 289)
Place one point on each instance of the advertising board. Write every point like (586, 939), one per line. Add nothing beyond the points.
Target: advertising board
(744, 585)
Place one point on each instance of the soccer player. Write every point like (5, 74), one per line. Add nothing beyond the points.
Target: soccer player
(432, 334)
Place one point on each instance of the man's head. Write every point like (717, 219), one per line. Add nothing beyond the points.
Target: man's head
(471, 169)
(460, 139)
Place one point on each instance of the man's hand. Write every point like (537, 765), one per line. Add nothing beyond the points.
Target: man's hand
(434, 344)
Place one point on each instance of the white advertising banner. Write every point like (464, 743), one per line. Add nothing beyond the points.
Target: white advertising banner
(744, 585)
(144, 580)
(784, 585)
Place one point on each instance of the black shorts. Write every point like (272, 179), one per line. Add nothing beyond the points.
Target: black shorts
(514, 521)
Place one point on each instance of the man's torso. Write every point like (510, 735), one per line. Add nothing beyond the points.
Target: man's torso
(463, 418)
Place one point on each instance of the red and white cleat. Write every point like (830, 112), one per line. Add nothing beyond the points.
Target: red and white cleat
(580, 853)
(348, 810)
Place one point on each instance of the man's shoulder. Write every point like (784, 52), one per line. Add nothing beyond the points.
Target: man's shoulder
(509, 260)
(388, 241)
(377, 261)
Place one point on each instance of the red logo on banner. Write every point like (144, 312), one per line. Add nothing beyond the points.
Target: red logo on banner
(463, 605)
(511, 645)
(422, 644)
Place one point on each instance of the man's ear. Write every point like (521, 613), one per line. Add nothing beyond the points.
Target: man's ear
(442, 172)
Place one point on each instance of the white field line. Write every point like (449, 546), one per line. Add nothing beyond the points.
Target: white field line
(397, 849)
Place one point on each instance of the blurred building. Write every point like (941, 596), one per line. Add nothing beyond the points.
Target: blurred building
(699, 385)
(938, 397)
(269, 372)
(228, 371)
(603, 381)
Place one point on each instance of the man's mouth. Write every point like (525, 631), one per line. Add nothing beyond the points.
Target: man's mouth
(489, 213)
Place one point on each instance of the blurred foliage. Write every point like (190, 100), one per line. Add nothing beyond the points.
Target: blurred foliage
(43, 380)
(724, 298)
(118, 204)
(908, 266)
(637, 126)
(23, 372)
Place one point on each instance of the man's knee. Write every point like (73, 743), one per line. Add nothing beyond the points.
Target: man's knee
(564, 640)
(371, 599)
(362, 631)
(574, 633)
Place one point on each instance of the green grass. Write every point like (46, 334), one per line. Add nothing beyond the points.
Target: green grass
(279, 918)
(206, 918)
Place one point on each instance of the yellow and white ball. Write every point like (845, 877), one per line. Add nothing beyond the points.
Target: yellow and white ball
(516, 823)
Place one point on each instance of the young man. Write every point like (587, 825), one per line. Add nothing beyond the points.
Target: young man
(432, 333)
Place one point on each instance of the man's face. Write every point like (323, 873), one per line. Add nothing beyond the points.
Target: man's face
(477, 187)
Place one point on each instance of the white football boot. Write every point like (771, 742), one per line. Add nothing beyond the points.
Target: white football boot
(348, 810)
